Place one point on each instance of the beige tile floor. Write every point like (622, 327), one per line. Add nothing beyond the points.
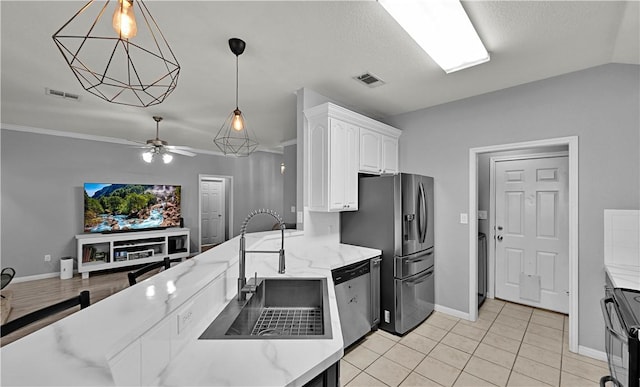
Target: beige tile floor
(509, 345)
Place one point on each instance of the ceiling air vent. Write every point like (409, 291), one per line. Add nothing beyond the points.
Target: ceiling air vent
(61, 94)
(369, 80)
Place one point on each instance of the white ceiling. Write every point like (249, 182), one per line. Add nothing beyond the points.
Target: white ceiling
(294, 44)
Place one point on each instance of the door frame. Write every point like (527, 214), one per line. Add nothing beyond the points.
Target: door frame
(572, 143)
(228, 190)
(491, 256)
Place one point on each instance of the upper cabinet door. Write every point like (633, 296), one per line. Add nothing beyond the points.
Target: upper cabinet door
(370, 146)
(351, 167)
(343, 193)
(389, 155)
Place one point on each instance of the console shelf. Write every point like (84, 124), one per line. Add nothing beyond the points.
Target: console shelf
(109, 251)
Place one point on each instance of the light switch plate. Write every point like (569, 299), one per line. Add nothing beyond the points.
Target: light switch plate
(293, 209)
(482, 215)
(464, 218)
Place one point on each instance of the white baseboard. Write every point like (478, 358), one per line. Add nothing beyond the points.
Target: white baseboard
(592, 353)
(35, 277)
(451, 312)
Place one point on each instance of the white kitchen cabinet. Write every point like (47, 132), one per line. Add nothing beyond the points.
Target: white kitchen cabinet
(333, 163)
(338, 145)
(378, 153)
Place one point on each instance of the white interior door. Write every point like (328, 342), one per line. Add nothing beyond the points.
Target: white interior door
(532, 232)
(212, 218)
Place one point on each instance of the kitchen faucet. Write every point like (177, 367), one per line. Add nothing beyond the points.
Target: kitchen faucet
(242, 280)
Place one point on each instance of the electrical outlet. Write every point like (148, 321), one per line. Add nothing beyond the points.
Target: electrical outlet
(185, 317)
(47, 258)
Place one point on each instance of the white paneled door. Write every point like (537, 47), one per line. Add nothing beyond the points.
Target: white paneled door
(532, 232)
(212, 211)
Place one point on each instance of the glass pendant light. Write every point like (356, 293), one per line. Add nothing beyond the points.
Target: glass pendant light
(234, 137)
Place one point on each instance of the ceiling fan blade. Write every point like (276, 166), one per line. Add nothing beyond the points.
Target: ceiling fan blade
(179, 151)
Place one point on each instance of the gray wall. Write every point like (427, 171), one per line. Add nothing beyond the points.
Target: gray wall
(599, 105)
(289, 156)
(42, 190)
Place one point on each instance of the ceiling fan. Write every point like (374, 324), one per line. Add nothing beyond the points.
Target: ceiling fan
(161, 148)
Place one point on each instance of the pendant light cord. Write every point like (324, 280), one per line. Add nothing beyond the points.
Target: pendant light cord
(236, 82)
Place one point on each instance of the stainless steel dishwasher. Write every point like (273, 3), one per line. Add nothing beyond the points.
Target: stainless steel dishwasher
(353, 285)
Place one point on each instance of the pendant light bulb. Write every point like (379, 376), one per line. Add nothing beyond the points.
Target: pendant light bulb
(147, 156)
(167, 158)
(124, 21)
(238, 122)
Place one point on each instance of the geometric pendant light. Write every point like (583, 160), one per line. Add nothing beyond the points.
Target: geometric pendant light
(234, 137)
(118, 53)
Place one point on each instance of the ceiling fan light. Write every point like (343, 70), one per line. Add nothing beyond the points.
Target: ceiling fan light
(147, 156)
(443, 29)
(166, 158)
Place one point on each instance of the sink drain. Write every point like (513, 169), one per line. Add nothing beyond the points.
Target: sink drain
(289, 322)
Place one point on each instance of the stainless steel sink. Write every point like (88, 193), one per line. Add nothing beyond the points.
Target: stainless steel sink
(280, 308)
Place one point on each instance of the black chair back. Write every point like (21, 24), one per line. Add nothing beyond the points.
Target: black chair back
(13, 325)
(6, 276)
(133, 275)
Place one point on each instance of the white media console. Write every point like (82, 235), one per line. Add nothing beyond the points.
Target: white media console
(109, 251)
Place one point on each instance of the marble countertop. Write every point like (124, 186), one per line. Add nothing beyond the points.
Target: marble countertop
(83, 349)
(624, 276)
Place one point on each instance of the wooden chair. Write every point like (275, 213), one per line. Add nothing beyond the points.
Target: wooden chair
(133, 275)
(13, 325)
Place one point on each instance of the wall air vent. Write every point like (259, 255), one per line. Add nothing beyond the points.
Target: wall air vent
(61, 94)
(369, 80)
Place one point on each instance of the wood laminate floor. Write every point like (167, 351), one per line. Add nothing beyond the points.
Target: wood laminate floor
(33, 295)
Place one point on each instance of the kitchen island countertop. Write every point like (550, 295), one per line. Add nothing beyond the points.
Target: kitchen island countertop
(149, 332)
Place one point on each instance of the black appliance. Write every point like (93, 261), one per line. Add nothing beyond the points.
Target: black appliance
(621, 310)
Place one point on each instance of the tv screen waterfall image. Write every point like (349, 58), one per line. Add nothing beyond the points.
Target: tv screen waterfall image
(130, 207)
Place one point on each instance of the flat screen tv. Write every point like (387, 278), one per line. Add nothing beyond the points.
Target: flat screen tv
(130, 207)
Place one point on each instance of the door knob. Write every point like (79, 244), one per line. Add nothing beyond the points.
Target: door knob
(499, 237)
(499, 227)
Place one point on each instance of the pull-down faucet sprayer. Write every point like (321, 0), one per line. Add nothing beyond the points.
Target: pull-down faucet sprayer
(242, 280)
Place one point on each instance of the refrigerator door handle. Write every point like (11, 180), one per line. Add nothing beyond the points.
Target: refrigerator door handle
(420, 279)
(422, 214)
(422, 257)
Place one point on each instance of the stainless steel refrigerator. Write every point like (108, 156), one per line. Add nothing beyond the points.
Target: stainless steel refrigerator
(395, 215)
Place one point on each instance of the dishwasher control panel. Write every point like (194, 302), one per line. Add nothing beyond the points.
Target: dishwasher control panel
(347, 273)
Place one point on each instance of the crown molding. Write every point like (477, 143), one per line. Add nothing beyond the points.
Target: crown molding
(112, 140)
